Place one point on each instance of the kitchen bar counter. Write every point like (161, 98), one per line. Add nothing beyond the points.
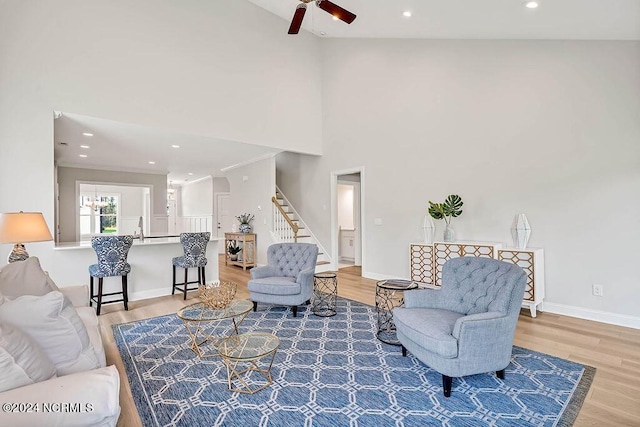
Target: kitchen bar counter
(151, 269)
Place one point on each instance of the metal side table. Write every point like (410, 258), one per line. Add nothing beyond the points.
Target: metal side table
(389, 295)
(325, 294)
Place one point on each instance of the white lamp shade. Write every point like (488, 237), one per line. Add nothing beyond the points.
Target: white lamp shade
(23, 227)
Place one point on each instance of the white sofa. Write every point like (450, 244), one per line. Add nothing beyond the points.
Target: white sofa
(82, 390)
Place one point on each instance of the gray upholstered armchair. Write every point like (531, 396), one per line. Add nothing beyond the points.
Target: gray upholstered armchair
(467, 326)
(288, 277)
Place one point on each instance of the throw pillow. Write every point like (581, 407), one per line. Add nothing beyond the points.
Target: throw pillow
(25, 278)
(52, 322)
(22, 361)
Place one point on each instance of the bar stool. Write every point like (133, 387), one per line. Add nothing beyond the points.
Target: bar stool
(195, 251)
(112, 254)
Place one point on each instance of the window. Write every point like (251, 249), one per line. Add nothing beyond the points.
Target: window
(98, 214)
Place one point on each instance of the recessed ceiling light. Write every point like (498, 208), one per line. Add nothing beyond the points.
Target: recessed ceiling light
(190, 173)
(531, 4)
(84, 146)
(152, 163)
(322, 33)
(87, 133)
(83, 155)
(406, 14)
(175, 146)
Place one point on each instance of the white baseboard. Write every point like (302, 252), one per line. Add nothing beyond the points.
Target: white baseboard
(595, 315)
(376, 276)
(153, 293)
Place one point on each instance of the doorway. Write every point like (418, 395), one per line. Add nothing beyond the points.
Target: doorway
(347, 210)
(224, 218)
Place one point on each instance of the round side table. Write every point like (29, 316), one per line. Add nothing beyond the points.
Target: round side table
(325, 294)
(390, 294)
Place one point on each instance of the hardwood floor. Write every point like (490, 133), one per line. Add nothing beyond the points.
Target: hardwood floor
(613, 400)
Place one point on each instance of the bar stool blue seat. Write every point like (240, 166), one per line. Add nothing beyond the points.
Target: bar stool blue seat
(195, 251)
(112, 254)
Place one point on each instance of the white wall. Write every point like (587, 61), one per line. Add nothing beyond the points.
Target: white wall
(547, 128)
(197, 198)
(68, 177)
(345, 206)
(220, 68)
(252, 187)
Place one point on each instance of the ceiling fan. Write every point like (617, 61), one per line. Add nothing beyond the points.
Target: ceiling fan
(327, 6)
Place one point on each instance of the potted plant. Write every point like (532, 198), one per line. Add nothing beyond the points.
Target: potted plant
(233, 250)
(451, 208)
(245, 222)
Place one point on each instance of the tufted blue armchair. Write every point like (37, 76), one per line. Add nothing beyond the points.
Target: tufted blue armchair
(195, 256)
(467, 326)
(112, 254)
(287, 279)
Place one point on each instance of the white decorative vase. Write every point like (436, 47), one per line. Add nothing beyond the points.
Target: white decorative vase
(449, 233)
(520, 231)
(428, 229)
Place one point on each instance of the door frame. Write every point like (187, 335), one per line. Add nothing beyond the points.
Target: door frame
(221, 248)
(334, 215)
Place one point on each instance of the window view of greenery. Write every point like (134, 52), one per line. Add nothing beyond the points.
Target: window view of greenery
(98, 214)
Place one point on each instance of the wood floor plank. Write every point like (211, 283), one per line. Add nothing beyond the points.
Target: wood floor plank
(613, 350)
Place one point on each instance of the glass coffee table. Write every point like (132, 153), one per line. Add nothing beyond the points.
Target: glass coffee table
(244, 354)
(202, 321)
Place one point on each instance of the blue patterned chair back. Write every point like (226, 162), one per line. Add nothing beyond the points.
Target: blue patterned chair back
(195, 249)
(112, 254)
(477, 285)
(289, 259)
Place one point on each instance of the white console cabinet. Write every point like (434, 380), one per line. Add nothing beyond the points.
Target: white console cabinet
(427, 260)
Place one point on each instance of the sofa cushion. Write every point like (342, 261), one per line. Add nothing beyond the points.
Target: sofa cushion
(275, 286)
(90, 320)
(52, 322)
(22, 361)
(25, 278)
(429, 328)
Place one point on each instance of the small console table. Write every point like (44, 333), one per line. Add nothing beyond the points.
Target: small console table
(247, 242)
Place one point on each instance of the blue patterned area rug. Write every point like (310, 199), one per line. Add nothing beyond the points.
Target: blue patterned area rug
(334, 372)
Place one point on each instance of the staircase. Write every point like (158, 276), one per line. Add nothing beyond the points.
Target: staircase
(289, 227)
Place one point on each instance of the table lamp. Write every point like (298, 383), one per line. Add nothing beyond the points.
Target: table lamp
(22, 227)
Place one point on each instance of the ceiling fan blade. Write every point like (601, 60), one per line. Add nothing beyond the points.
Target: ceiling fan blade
(335, 10)
(296, 22)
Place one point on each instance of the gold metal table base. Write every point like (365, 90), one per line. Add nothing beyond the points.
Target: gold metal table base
(200, 337)
(244, 377)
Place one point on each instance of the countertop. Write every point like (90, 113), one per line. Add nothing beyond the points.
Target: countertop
(163, 239)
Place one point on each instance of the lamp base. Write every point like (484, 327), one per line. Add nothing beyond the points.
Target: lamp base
(19, 253)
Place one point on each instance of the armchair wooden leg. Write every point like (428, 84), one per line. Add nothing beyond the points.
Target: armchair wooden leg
(500, 374)
(295, 310)
(446, 385)
(255, 305)
(404, 351)
(204, 280)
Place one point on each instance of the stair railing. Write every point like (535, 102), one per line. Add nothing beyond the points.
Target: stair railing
(286, 229)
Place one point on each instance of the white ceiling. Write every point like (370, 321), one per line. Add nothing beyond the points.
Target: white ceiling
(128, 147)
(472, 19)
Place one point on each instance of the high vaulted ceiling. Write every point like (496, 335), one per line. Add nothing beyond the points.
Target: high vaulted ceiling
(472, 19)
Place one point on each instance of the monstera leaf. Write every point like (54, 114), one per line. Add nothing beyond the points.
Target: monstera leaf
(452, 206)
(436, 210)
